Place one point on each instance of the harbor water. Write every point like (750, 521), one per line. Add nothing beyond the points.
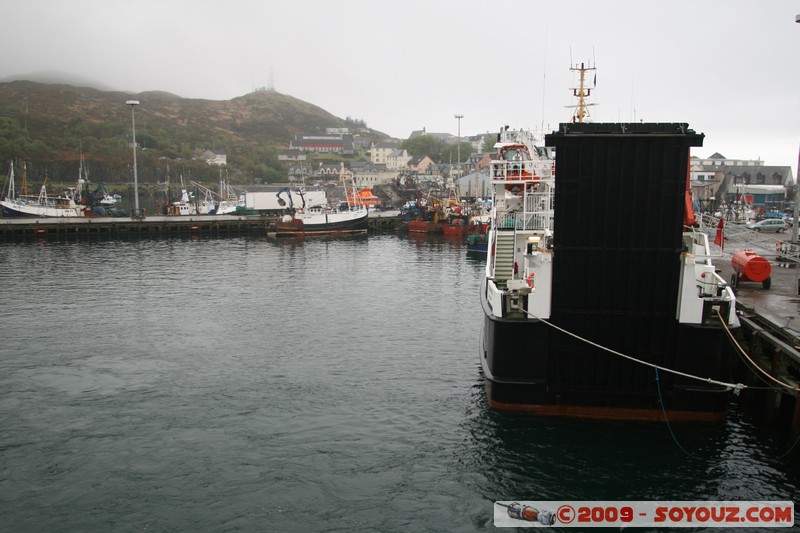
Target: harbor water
(248, 384)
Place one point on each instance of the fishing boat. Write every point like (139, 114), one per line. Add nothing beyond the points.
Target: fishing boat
(229, 202)
(317, 220)
(106, 199)
(477, 245)
(600, 299)
(425, 226)
(189, 204)
(41, 205)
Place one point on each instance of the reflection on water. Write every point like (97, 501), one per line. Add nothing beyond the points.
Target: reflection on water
(325, 384)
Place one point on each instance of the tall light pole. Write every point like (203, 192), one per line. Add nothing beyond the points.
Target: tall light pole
(796, 192)
(133, 104)
(796, 197)
(458, 148)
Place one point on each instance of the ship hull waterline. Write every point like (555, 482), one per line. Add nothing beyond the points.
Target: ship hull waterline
(533, 380)
(296, 228)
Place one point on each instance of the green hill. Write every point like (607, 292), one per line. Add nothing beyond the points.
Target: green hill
(49, 125)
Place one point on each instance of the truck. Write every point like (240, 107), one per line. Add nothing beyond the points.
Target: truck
(280, 200)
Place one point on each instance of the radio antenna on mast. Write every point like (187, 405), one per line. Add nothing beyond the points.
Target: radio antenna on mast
(544, 76)
(582, 92)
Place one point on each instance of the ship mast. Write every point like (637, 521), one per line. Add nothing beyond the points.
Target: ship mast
(24, 188)
(581, 110)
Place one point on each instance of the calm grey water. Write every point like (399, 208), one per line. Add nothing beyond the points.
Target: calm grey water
(321, 385)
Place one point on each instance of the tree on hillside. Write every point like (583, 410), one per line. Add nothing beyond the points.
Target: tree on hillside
(436, 149)
(425, 145)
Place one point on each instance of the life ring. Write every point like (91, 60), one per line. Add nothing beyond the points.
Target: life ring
(530, 279)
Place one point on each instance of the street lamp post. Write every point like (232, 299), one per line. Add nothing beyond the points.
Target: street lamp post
(796, 198)
(458, 148)
(133, 104)
(796, 192)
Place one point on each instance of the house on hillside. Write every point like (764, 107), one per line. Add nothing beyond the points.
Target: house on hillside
(421, 164)
(328, 171)
(379, 152)
(448, 138)
(291, 155)
(369, 175)
(398, 159)
(214, 157)
(479, 161)
(333, 143)
(299, 173)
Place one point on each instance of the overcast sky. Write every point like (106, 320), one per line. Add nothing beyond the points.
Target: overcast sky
(727, 67)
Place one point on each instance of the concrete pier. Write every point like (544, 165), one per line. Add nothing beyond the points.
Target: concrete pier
(16, 229)
(770, 331)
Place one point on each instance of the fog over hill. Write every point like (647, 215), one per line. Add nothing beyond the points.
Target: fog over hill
(52, 125)
(60, 78)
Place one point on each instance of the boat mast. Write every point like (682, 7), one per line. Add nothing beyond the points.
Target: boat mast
(582, 93)
(23, 189)
(11, 192)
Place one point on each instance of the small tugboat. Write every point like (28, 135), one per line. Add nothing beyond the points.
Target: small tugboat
(600, 299)
(316, 220)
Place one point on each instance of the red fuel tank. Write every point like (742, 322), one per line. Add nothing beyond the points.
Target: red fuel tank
(749, 266)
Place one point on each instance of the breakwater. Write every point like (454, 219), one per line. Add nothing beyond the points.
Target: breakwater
(13, 229)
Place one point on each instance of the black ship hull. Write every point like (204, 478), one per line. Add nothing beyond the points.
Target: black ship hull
(324, 226)
(531, 366)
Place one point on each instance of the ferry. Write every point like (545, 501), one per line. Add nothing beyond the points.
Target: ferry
(600, 298)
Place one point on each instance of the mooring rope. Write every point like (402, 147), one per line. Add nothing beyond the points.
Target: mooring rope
(666, 419)
(736, 387)
(753, 363)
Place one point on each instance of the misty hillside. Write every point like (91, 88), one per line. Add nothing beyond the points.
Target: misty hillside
(50, 125)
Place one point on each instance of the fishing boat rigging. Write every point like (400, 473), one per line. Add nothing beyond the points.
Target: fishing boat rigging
(67, 204)
(322, 219)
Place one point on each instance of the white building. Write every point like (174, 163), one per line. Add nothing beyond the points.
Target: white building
(379, 152)
(398, 160)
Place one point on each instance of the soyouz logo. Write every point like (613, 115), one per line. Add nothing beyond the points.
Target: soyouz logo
(583, 514)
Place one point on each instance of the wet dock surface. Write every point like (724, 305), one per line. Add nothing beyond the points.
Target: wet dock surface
(781, 302)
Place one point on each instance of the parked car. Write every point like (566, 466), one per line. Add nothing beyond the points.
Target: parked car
(773, 225)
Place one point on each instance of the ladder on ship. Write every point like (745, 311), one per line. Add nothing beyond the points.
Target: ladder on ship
(504, 258)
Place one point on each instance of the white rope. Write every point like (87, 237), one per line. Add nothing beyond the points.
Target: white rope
(779, 382)
(737, 387)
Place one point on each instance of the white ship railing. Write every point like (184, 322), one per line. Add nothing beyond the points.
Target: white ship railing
(537, 209)
(524, 170)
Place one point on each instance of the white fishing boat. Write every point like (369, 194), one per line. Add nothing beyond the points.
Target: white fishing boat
(189, 204)
(107, 200)
(322, 219)
(41, 205)
(228, 202)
